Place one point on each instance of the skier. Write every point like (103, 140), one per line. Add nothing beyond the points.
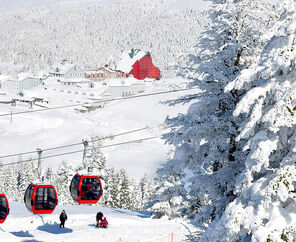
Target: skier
(101, 220)
(63, 218)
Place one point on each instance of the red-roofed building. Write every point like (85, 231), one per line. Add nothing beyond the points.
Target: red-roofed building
(139, 64)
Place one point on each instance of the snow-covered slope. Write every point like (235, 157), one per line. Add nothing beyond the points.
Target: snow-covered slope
(66, 126)
(125, 225)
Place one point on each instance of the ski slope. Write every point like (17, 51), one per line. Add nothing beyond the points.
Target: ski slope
(125, 225)
(53, 128)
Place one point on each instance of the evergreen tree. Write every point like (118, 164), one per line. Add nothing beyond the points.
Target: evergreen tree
(95, 159)
(147, 190)
(124, 191)
(136, 196)
(62, 180)
(114, 189)
(233, 169)
(26, 174)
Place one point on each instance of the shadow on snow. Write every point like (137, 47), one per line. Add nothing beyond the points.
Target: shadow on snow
(140, 214)
(32, 240)
(22, 234)
(54, 229)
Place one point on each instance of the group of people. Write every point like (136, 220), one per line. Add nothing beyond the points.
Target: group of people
(100, 218)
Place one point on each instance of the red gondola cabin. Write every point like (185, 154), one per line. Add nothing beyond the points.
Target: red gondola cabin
(41, 199)
(86, 189)
(4, 208)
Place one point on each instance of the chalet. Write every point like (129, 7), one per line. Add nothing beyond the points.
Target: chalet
(139, 64)
(66, 70)
(103, 73)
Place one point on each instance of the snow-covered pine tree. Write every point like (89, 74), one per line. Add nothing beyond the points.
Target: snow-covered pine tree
(26, 174)
(264, 208)
(136, 196)
(147, 189)
(61, 180)
(200, 181)
(95, 159)
(9, 182)
(124, 195)
(110, 189)
(112, 199)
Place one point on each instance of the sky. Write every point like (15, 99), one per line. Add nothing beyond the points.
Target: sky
(8, 5)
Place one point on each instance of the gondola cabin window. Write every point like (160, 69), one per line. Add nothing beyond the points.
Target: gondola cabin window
(3, 208)
(28, 197)
(74, 187)
(45, 198)
(90, 189)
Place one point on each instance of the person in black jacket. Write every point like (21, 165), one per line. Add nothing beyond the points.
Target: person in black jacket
(63, 218)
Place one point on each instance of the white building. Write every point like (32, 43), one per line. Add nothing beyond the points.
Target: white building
(123, 88)
(28, 83)
(20, 83)
(66, 70)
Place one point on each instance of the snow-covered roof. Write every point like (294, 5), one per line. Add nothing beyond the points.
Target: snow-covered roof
(89, 72)
(128, 59)
(125, 82)
(74, 80)
(62, 68)
(107, 69)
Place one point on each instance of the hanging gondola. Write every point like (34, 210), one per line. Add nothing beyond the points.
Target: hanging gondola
(4, 208)
(86, 189)
(41, 199)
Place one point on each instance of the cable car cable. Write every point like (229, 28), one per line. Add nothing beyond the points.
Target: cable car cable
(77, 151)
(79, 143)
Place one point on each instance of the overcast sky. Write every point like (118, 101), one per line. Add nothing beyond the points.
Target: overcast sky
(7, 5)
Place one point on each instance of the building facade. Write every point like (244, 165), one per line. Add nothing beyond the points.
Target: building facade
(103, 73)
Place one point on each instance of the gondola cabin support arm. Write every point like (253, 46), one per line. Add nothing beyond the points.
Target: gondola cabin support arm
(39, 168)
(85, 144)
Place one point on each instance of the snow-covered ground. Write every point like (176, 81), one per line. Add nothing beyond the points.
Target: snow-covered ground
(125, 225)
(66, 126)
